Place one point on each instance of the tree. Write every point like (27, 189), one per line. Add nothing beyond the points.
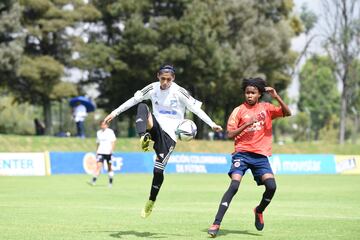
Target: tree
(259, 35)
(48, 49)
(343, 46)
(10, 39)
(318, 92)
(354, 100)
(213, 45)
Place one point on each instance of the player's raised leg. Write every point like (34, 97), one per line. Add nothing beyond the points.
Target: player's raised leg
(144, 122)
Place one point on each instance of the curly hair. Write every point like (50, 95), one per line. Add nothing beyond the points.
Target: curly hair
(259, 83)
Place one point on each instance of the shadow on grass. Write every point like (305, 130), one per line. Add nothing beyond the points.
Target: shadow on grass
(224, 232)
(123, 234)
(96, 185)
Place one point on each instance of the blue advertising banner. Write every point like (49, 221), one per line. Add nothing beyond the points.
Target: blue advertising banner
(303, 164)
(198, 163)
(81, 162)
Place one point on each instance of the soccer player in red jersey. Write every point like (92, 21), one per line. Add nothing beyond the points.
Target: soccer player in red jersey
(250, 124)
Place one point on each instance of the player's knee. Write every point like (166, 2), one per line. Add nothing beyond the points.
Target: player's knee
(142, 108)
(158, 171)
(270, 185)
(111, 174)
(234, 186)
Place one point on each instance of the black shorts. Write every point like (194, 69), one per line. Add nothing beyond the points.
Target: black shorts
(164, 145)
(104, 157)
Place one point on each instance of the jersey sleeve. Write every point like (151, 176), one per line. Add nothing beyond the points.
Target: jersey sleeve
(233, 121)
(274, 111)
(194, 106)
(138, 97)
(144, 93)
(112, 136)
(97, 139)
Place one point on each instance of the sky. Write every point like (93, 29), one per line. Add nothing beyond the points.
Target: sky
(299, 42)
(315, 6)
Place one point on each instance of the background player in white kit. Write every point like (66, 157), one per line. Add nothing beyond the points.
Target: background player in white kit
(105, 139)
(169, 102)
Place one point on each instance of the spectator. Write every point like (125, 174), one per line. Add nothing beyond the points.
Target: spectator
(39, 127)
(79, 114)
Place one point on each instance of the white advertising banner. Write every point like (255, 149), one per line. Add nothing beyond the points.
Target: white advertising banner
(22, 164)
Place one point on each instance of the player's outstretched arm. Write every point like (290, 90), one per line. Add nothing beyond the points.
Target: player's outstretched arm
(138, 97)
(284, 107)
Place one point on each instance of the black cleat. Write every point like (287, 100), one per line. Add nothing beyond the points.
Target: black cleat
(259, 220)
(213, 230)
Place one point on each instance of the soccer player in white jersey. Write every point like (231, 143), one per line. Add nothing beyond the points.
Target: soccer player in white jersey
(169, 102)
(105, 139)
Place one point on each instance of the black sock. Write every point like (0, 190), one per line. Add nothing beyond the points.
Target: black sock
(225, 201)
(141, 118)
(94, 179)
(270, 188)
(156, 183)
(110, 180)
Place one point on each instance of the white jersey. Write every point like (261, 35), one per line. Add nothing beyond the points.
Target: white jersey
(105, 138)
(80, 113)
(168, 106)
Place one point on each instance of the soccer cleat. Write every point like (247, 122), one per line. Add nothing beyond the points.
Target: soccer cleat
(145, 142)
(213, 230)
(146, 211)
(259, 220)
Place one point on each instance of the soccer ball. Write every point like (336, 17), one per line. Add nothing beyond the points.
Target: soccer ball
(186, 130)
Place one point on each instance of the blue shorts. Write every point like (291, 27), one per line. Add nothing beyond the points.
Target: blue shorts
(259, 165)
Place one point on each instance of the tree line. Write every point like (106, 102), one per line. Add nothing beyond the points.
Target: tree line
(120, 45)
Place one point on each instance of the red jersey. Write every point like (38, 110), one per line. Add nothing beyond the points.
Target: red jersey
(256, 138)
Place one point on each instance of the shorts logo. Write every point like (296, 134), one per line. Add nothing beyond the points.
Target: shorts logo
(236, 163)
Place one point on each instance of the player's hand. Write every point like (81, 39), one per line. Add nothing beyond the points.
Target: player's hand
(251, 122)
(108, 118)
(217, 128)
(271, 91)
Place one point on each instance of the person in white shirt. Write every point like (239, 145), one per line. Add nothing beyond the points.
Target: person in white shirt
(79, 114)
(169, 102)
(105, 139)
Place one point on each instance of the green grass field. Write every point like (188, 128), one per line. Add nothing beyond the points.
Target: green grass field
(65, 207)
